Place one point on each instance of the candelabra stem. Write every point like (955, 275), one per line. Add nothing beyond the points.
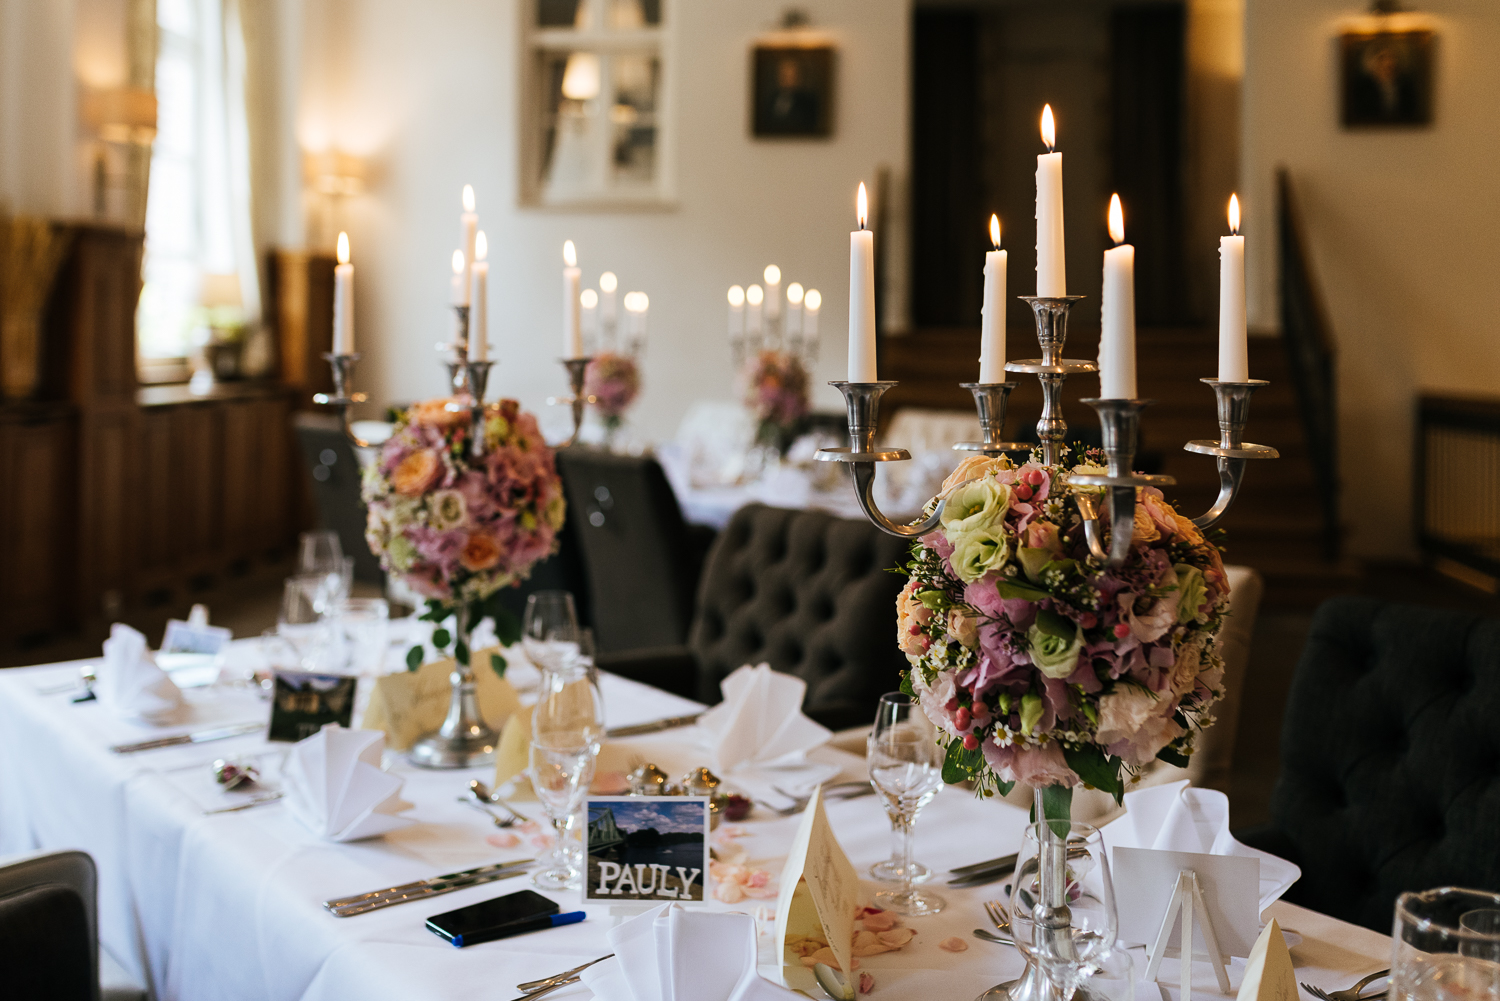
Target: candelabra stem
(577, 370)
(1233, 402)
(464, 740)
(990, 399)
(1051, 315)
(1120, 422)
(477, 374)
(343, 374)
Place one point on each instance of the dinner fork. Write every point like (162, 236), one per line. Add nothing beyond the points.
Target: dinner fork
(1352, 994)
(532, 986)
(839, 790)
(998, 915)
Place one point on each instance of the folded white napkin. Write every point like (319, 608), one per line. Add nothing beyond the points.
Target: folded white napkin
(1178, 818)
(130, 684)
(760, 720)
(670, 953)
(333, 784)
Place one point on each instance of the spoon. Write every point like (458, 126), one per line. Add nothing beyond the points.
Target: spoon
(476, 804)
(480, 793)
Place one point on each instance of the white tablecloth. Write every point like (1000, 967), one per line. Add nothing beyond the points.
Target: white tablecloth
(230, 905)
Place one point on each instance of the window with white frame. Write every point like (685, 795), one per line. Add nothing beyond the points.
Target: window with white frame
(595, 116)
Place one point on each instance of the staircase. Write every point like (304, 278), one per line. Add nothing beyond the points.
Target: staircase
(1276, 524)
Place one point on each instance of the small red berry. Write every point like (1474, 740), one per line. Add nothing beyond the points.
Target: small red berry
(1088, 620)
(951, 705)
(971, 742)
(1036, 477)
(1121, 630)
(963, 719)
(1023, 492)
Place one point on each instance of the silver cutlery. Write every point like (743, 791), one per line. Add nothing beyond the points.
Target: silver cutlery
(197, 737)
(990, 936)
(1352, 994)
(535, 985)
(478, 804)
(257, 801)
(361, 903)
(543, 991)
(481, 793)
(837, 791)
(995, 911)
(1003, 862)
(655, 726)
(988, 872)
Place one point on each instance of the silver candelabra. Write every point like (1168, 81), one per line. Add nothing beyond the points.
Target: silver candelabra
(577, 371)
(1119, 422)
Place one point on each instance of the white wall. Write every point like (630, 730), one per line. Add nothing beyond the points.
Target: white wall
(1404, 227)
(38, 108)
(429, 92)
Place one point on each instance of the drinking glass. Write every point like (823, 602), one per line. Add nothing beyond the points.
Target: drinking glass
(566, 731)
(1446, 946)
(906, 767)
(1068, 948)
(549, 630)
(319, 552)
(361, 629)
(1108, 976)
(300, 620)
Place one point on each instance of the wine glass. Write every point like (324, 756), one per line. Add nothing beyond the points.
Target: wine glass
(550, 634)
(906, 767)
(319, 552)
(566, 731)
(300, 619)
(1066, 947)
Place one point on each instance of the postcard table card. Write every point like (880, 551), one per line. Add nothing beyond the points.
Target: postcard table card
(1269, 975)
(303, 704)
(646, 849)
(819, 894)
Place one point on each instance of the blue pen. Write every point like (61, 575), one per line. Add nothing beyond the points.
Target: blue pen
(518, 928)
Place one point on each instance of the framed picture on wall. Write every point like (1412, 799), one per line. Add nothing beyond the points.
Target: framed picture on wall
(791, 92)
(1386, 78)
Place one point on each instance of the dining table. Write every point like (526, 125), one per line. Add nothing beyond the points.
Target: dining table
(201, 903)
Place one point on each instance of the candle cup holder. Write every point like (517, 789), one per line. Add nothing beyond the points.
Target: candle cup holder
(1233, 399)
(342, 397)
(577, 370)
(477, 374)
(1119, 421)
(990, 399)
(458, 353)
(1051, 315)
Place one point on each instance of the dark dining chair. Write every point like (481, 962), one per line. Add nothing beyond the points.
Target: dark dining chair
(807, 592)
(49, 935)
(1390, 759)
(333, 479)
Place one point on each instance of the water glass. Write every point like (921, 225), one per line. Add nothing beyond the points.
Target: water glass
(566, 730)
(300, 620)
(1447, 946)
(319, 552)
(906, 768)
(1065, 951)
(550, 633)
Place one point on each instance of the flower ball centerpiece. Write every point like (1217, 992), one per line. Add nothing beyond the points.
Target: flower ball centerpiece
(458, 522)
(1037, 663)
(612, 381)
(777, 395)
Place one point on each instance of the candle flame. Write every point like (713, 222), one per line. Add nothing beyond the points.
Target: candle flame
(637, 302)
(736, 296)
(755, 295)
(588, 298)
(814, 300)
(794, 293)
(343, 248)
(1049, 128)
(1234, 215)
(570, 254)
(995, 230)
(608, 282)
(468, 198)
(863, 202)
(458, 262)
(481, 247)
(772, 275)
(1116, 220)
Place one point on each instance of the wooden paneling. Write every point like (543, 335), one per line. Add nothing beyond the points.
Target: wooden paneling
(36, 519)
(302, 298)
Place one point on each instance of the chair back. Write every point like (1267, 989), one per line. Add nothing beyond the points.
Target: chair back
(809, 594)
(640, 557)
(49, 944)
(1390, 758)
(333, 477)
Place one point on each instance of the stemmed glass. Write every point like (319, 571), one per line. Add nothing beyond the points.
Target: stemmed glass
(906, 767)
(300, 620)
(1067, 946)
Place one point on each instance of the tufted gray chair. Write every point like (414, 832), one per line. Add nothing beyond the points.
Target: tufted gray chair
(1390, 759)
(805, 591)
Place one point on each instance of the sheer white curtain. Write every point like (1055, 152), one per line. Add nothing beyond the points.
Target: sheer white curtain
(198, 210)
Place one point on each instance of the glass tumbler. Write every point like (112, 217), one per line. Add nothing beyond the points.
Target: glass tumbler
(1446, 946)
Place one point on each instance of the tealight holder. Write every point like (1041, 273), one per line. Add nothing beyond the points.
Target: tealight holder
(577, 370)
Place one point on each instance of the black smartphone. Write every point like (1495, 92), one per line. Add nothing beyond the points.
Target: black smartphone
(473, 923)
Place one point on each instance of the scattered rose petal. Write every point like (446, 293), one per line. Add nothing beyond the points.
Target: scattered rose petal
(504, 839)
(880, 921)
(866, 983)
(530, 827)
(896, 937)
(610, 784)
(954, 944)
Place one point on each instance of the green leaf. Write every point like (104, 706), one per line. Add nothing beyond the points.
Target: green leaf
(1004, 787)
(906, 685)
(498, 664)
(1172, 756)
(414, 658)
(934, 600)
(961, 764)
(507, 626)
(1095, 768)
(441, 638)
(1010, 589)
(461, 653)
(1057, 807)
(1056, 625)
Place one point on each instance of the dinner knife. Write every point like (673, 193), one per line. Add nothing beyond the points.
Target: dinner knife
(197, 737)
(363, 902)
(655, 726)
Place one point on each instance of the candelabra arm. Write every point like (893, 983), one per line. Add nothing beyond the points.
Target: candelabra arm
(1233, 400)
(341, 397)
(1119, 422)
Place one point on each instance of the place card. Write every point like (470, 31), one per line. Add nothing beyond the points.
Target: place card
(1269, 975)
(513, 755)
(646, 849)
(819, 894)
(302, 704)
(1145, 880)
(410, 704)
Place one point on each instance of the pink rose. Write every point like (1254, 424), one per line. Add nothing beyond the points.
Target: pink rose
(1034, 766)
(1150, 624)
(1043, 535)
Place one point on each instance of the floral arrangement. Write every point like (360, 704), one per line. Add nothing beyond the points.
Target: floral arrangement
(458, 527)
(1036, 662)
(776, 393)
(612, 381)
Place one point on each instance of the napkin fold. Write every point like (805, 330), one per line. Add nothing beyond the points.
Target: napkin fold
(1175, 817)
(333, 784)
(760, 720)
(411, 704)
(131, 685)
(671, 953)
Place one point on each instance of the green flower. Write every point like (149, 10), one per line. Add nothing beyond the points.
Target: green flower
(977, 506)
(401, 553)
(977, 552)
(1054, 649)
(1031, 711)
(1192, 591)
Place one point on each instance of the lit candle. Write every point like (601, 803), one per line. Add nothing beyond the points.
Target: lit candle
(343, 301)
(589, 300)
(811, 303)
(479, 321)
(992, 310)
(457, 285)
(862, 295)
(636, 305)
(736, 312)
(607, 285)
(1051, 264)
(772, 276)
(794, 309)
(1234, 362)
(572, 332)
(1117, 336)
(755, 296)
(469, 224)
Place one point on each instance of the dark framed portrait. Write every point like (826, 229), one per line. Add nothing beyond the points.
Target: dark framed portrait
(1386, 78)
(792, 92)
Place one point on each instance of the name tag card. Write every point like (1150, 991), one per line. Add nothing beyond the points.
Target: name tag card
(819, 894)
(1230, 885)
(646, 850)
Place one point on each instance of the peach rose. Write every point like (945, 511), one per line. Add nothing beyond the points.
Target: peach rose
(416, 473)
(911, 617)
(1145, 526)
(1186, 530)
(971, 468)
(480, 552)
(443, 413)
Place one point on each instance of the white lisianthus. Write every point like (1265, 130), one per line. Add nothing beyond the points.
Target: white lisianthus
(976, 506)
(977, 552)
